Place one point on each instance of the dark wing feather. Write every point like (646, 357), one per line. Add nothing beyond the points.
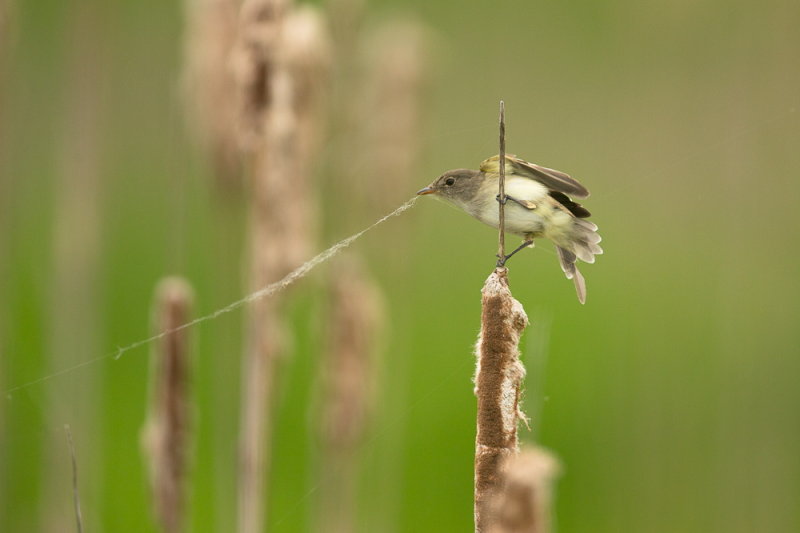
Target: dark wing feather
(573, 207)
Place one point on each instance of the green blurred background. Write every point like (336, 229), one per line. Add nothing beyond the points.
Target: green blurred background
(671, 398)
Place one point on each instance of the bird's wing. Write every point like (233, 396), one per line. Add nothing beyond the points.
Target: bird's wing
(552, 179)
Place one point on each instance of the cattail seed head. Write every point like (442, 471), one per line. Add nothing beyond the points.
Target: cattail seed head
(498, 379)
(165, 436)
(522, 501)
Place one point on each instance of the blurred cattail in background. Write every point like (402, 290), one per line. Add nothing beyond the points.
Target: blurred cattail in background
(74, 320)
(281, 60)
(5, 43)
(260, 24)
(167, 429)
(210, 96)
(523, 499)
(254, 61)
(498, 379)
(208, 83)
(378, 94)
(348, 397)
(396, 59)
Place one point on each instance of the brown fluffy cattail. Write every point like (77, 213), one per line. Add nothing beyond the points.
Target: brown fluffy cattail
(498, 378)
(208, 82)
(522, 501)
(165, 435)
(253, 60)
(356, 321)
(280, 116)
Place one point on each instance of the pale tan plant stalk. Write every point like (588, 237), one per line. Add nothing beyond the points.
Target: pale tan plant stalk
(396, 58)
(376, 145)
(522, 501)
(5, 195)
(167, 429)
(499, 372)
(282, 58)
(260, 24)
(73, 292)
(348, 380)
(211, 98)
(208, 83)
(498, 380)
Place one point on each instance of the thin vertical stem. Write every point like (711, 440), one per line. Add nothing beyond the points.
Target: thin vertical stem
(501, 253)
(76, 499)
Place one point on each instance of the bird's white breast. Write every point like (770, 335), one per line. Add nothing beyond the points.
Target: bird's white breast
(519, 219)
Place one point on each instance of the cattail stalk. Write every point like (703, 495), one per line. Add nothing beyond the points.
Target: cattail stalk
(396, 67)
(167, 428)
(208, 83)
(260, 25)
(356, 320)
(522, 502)
(375, 127)
(498, 379)
(76, 250)
(499, 373)
(281, 61)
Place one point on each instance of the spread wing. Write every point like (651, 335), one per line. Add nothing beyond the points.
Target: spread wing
(552, 179)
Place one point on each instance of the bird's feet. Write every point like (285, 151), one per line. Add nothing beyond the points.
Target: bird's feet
(501, 261)
(524, 203)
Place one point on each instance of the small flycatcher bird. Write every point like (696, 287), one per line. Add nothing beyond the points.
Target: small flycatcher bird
(537, 204)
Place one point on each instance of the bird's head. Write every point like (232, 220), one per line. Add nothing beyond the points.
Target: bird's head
(457, 186)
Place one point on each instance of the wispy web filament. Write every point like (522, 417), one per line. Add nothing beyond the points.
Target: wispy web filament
(268, 290)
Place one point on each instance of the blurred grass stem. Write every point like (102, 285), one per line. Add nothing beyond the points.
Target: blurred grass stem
(76, 498)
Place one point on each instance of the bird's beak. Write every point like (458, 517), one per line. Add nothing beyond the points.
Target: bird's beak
(426, 190)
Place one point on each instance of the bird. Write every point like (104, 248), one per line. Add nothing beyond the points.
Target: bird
(538, 204)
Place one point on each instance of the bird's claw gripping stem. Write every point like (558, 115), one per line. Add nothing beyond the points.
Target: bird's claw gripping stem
(524, 203)
(501, 261)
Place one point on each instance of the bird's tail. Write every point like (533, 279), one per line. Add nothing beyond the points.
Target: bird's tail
(584, 246)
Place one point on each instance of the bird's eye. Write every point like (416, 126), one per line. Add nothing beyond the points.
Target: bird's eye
(450, 181)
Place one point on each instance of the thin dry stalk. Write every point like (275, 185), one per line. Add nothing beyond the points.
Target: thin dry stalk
(5, 195)
(356, 315)
(265, 345)
(288, 56)
(498, 379)
(167, 429)
(208, 83)
(523, 501)
(501, 252)
(76, 249)
(76, 497)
